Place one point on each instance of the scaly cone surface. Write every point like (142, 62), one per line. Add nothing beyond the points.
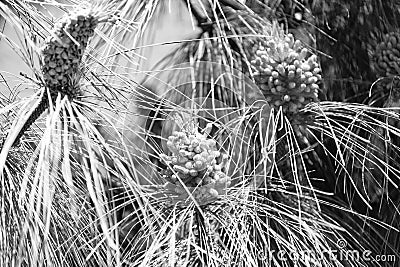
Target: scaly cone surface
(63, 51)
(61, 59)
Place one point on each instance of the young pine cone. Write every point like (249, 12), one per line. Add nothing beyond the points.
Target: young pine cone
(63, 51)
(61, 58)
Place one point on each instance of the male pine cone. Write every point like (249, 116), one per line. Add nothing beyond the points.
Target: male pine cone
(387, 55)
(286, 73)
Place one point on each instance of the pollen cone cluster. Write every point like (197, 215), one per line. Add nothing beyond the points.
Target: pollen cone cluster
(196, 161)
(286, 72)
(386, 58)
(63, 51)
